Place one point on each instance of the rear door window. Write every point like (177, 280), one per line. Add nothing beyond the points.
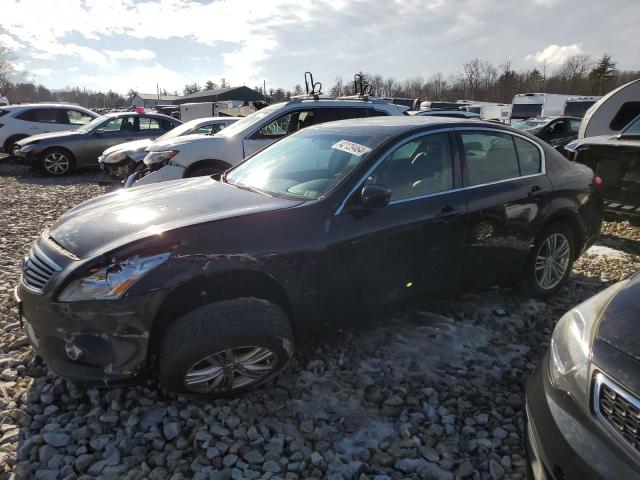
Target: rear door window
(41, 115)
(528, 156)
(149, 124)
(490, 157)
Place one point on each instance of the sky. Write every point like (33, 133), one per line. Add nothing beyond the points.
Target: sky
(128, 44)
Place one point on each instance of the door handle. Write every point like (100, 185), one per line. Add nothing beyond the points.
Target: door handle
(536, 191)
(448, 211)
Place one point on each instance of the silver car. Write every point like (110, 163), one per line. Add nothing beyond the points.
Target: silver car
(123, 159)
(60, 152)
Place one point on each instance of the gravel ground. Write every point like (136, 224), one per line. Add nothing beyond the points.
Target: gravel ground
(434, 392)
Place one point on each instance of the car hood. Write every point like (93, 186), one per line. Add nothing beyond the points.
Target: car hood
(175, 143)
(135, 145)
(46, 136)
(603, 141)
(619, 325)
(109, 221)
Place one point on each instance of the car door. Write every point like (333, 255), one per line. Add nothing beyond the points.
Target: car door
(413, 244)
(41, 120)
(117, 130)
(507, 193)
(298, 119)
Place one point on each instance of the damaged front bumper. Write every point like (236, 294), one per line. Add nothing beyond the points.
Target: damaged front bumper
(92, 342)
(146, 176)
(120, 170)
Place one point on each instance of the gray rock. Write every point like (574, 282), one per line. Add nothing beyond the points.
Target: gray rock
(496, 470)
(271, 466)
(56, 439)
(254, 457)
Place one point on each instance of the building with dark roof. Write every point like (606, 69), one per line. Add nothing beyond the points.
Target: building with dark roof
(243, 94)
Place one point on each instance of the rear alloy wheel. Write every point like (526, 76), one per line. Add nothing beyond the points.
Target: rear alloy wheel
(225, 348)
(56, 162)
(550, 261)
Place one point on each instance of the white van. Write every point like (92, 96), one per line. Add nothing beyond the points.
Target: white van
(4, 101)
(500, 112)
(527, 105)
(612, 112)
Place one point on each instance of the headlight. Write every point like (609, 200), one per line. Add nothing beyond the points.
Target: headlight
(111, 282)
(114, 157)
(571, 342)
(26, 148)
(156, 159)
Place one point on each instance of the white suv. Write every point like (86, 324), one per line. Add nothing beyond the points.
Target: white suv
(197, 155)
(22, 121)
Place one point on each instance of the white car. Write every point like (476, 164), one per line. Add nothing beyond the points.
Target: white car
(123, 159)
(198, 155)
(22, 121)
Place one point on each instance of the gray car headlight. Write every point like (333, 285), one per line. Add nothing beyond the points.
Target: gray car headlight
(112, 282)
(570, 353)
(114, 157)
(155, 159)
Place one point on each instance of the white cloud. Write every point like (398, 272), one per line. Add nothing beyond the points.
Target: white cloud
(42, 72)
(555, 54)
(127, 54)
(140, 78)
(10, 42)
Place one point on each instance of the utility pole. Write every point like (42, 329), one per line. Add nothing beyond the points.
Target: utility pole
(264, 89)
(158, 91)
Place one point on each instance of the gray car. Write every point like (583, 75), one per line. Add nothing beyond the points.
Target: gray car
(60, 152)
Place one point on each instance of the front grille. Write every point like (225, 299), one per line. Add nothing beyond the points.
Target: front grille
(38, 268)
(619, 410)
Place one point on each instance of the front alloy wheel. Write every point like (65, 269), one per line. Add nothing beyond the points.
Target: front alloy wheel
(231, 370)
(56, 163)
(552, 261)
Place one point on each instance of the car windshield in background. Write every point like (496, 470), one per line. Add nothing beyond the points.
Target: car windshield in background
(307, 165)
(176, 132)
(92, 124)
(531, 126)
(633, 129)
(249, 120)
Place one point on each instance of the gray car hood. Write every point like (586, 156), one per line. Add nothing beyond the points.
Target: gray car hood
(129, 146)
(46, 136)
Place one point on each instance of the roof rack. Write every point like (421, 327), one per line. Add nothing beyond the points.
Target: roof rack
(313, 89)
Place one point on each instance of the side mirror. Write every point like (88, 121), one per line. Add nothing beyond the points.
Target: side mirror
(375, 196)
(98, 133)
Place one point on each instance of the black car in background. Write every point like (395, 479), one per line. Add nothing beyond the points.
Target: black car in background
(58, 153)
(615, 159)
(583, 400)
(556, 131)
(210, 282)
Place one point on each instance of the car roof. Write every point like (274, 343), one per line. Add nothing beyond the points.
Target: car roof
(136, 114)
(18, 106)
(392, 125)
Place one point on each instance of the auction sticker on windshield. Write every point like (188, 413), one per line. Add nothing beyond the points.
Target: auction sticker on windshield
(351, 147)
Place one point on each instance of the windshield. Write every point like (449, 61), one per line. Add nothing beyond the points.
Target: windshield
(532, 126)
(633, 129)
(249, 120)
(87, 127)
(307, 164)
(179, 130)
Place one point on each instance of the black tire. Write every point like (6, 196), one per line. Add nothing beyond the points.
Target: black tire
(205, 171)
(218, 327)
(530, 282)
(56, 162)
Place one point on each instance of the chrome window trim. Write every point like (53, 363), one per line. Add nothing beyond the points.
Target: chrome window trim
(382, 158)
(470, 187)
(600, 380)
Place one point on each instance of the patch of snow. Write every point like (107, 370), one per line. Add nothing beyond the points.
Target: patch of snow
(608, 252)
